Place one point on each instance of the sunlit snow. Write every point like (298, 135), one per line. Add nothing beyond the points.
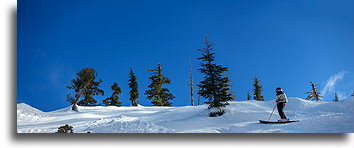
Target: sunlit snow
(239, 117)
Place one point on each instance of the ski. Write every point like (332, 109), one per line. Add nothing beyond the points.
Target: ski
(267, 122)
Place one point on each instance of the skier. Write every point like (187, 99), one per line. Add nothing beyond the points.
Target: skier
(281, 101)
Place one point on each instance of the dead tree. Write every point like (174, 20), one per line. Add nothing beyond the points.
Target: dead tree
(313, 93)
(191, 83)
(198, 99)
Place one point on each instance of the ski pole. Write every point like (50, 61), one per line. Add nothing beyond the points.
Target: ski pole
(272, 112)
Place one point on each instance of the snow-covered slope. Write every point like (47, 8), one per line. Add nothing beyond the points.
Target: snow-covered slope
(240, 117)
(27, 113)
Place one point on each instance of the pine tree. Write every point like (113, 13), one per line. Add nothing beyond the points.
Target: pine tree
(133, 85)
(65, 129)
(257, 91)
(70, 99)
(248, 96)
(85, 85)
(313, 93)
(158, 95)
(191, 84)
(231, 85)
(114, 99)
(214, 87)
(336, 98)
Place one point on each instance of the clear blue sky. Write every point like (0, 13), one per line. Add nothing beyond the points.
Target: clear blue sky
(285, 43)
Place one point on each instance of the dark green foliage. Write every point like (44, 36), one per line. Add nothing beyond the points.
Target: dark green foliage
(230, 86)
(65, 129)
(313, 93)
(336, 98)
(85, 85)
(114, 99)
(248, 96)
(218, 113)
(158, 95)
(257, 91)
(214, 87)
(133, 85)
(70, 99)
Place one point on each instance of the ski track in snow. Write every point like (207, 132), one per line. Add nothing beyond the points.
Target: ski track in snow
(239, 117)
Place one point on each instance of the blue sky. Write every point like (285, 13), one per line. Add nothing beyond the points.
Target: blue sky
(285, 43)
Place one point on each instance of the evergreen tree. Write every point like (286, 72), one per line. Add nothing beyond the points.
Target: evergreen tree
(231, 85)
(85, 85)
(313, 93)
(114, 99)
(158, 95)
(133, 85)
(65, 129)
(70, 99)
(214, 87)
(257, 91)
(336, 98)
(248, 96)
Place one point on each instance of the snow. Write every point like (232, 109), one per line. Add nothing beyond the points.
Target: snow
(239, 117)
(28, 113)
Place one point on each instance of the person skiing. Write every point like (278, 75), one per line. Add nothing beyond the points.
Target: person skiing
(281, 101)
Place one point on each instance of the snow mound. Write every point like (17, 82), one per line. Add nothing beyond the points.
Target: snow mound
(301, 104)
(29, 113)
(124, 124)
(347, 102)
(66, 109)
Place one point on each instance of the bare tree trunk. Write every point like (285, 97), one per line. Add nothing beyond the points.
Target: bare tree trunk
(315, 91)
(198, 99)
(74, 107)
(191, 83)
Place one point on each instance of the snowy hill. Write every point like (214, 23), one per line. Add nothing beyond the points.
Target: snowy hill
(28, 113)
(240, 117)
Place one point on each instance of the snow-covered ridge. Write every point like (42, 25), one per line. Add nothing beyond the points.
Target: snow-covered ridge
(240, 117)
(25, 111)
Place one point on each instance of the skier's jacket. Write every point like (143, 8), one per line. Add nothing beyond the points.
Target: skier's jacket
(281, 98)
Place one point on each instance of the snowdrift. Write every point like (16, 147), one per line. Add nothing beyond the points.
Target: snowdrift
(26, 112)
(239, 117)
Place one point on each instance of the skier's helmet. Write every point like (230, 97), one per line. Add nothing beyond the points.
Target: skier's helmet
(279, 89)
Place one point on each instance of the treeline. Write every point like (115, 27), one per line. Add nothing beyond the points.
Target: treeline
(313, 93)
(86, 86)
(214, 87)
